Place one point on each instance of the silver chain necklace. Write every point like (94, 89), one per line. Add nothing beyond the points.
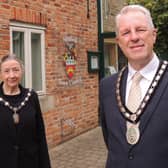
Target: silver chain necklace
(133, 132)
(15, 109)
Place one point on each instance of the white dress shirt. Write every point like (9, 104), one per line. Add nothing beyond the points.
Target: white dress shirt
(148, 73)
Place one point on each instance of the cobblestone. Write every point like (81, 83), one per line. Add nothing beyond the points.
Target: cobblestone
(85, 151)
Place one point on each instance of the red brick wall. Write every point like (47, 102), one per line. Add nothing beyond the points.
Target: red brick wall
(68, 109)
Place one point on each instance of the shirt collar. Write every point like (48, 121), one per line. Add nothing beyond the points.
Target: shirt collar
(148, 71)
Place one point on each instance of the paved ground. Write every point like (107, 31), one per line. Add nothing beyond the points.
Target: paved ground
(85, 151)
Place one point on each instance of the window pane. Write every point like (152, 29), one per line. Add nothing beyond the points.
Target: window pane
(18, 47)
(36, 61)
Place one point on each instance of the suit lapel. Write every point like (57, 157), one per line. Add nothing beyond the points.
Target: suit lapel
(150, 109)
(123, 93)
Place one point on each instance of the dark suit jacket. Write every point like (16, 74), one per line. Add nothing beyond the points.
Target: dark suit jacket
(152, 149)
(24, 145)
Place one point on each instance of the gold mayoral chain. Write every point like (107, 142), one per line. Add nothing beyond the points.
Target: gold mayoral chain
(15, 109)
(133, 133)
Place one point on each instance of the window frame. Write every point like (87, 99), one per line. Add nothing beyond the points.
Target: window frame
(27, 30)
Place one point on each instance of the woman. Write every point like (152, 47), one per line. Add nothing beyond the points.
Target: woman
(23, 141)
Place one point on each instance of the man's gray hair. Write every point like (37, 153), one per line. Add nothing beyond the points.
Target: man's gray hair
(135, 8)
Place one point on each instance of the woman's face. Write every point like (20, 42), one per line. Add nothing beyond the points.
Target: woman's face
(11, 73)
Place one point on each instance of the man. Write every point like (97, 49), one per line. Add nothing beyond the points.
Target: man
(135, 122)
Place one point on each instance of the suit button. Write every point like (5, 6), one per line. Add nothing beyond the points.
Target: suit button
(16, 147)
(130, 156)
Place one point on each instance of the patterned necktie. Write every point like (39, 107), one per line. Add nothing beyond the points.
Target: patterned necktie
(134, 97)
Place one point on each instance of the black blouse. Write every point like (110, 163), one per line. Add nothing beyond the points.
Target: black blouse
(22, 145)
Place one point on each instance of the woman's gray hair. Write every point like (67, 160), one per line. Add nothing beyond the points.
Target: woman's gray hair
(11, 57)
(136, 8)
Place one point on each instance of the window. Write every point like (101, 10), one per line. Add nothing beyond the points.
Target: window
(27, 42)
(110, 56)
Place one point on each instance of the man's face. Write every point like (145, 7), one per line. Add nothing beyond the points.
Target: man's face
(136, 37)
